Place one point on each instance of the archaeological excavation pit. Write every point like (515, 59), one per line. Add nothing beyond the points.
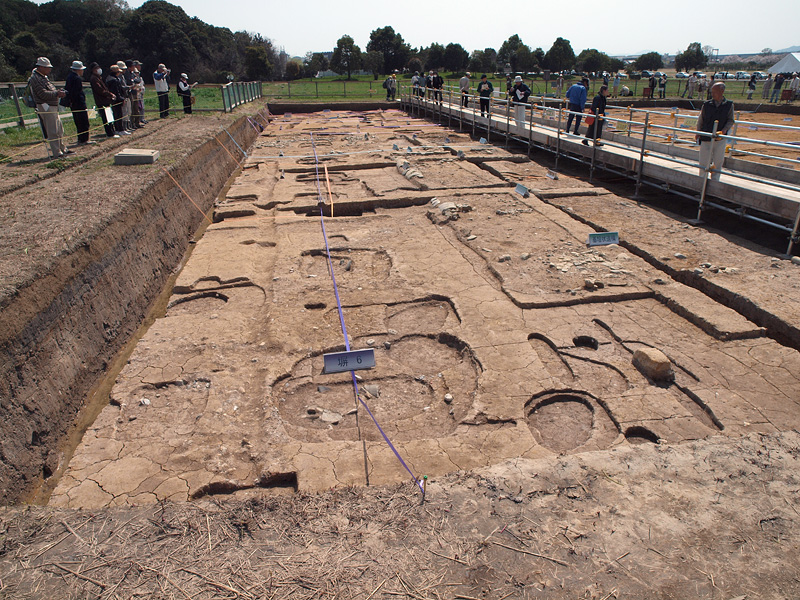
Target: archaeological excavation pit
(497, 333)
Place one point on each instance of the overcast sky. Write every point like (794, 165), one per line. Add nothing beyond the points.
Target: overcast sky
(617, 27)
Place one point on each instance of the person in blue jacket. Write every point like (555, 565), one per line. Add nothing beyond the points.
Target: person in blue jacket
(576, 101)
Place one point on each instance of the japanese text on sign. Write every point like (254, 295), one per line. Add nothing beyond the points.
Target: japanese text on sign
(603, 239)
(355, 360)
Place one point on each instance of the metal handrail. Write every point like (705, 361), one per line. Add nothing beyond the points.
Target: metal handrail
(647, 130)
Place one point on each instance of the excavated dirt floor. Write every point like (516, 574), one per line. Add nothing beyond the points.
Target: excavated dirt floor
(228, 464)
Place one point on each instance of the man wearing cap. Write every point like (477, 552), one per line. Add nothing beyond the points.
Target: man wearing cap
(463, 85)
(138, 82)
(185, 92)
(161, 79)
(77, 101)
(46, 97)
(519, 96)
(576, 101)
(123, 77)
(131, 79)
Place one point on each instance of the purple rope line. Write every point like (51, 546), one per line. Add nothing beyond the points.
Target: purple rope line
(344, 327)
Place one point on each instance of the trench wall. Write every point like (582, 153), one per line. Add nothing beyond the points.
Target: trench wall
(60, 332)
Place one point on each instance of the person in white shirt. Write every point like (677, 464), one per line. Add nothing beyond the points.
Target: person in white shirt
(463, 85)
(161, 79)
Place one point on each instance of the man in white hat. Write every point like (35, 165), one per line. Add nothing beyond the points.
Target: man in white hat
(77, 101)
(519, 97)
(125, 82)
(46, 97)
(185, 92)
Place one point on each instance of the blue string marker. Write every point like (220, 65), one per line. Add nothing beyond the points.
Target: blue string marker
(419, 483)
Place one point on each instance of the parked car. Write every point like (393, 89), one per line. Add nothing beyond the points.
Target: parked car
(681, 75)
(742, 75)
(647, 73)
(724, 75)
(660, 74)
(699, 74)
(622, 75)
(760, 74)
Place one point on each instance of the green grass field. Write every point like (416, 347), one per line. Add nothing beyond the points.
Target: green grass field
(366, 88)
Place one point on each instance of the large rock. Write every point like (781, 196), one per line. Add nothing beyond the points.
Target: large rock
(653, 364)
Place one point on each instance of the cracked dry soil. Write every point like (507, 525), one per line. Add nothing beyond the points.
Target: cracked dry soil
(227, 464)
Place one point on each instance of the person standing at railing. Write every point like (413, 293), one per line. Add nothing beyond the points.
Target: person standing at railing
(415, 84)
(485, 90)
(795, 86)
(429, 85)
(691, 84)
(103, 97)
(137, 68)
(47, 97)
(751, 86)
(437, 83)
(185, 92)
(391, 87)
(463, 85)
(616, 85)
(161, 80)
(114, 85)
(776, 88)
(767, 87)
(77, 101)
(519, 94)
(717, 111)
(652, 83)
(595, 129)
(136, 93)
(559, 85)
(125, 80)
(662, 87)
(576, 101)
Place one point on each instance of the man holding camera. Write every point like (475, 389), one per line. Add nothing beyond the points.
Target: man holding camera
(161, 79)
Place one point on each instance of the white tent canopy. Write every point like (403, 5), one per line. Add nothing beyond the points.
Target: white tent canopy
(788, 64)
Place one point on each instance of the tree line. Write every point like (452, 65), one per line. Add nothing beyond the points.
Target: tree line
(387, 52)
(106, 31)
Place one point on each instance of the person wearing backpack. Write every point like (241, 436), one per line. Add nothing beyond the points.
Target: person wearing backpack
(391, 87)
(46, 96)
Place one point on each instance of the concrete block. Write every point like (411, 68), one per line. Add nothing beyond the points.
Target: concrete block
(133, 156)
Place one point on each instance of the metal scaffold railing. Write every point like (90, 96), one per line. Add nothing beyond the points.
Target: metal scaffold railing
(637, 146)
(236, 93)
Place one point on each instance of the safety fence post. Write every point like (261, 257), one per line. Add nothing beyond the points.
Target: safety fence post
(641, 155)
(13, 89)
